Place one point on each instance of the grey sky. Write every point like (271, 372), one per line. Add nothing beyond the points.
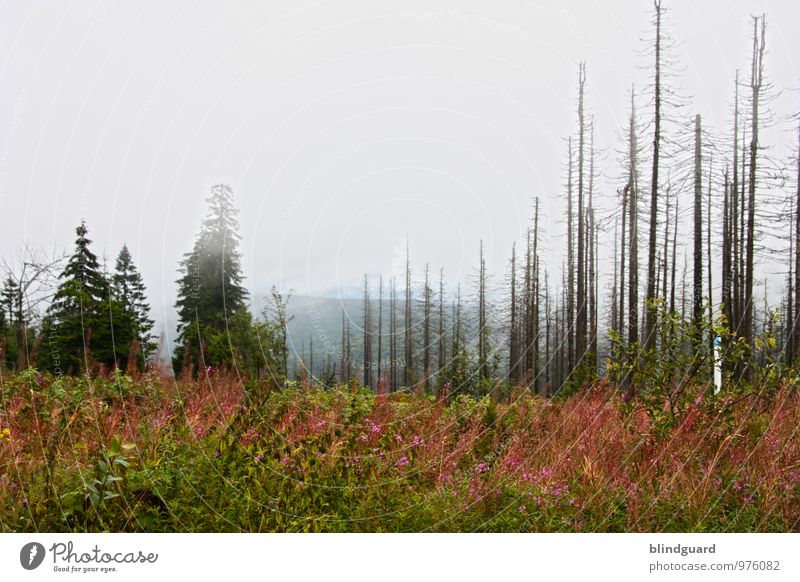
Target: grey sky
(342, 126)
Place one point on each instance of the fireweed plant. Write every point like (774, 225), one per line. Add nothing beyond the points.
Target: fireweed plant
(151, 453)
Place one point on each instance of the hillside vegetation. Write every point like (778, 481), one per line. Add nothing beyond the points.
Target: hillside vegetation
(150, 453)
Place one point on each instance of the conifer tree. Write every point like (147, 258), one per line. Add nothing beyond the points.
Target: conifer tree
(9, 309)
(129, 290)
(214, 325)
(84, 324)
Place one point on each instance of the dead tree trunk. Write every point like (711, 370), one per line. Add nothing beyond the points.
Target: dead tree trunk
(795, 327)
(757, 74)
(697, 290)
(367, 336)
(393, 335)
(408, 340)
(649, 327)
(379, 371)
(512, 333)
(580, 323)
(426, 329)
(570, 288)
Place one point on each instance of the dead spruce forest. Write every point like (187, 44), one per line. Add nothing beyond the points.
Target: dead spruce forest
(648, 386)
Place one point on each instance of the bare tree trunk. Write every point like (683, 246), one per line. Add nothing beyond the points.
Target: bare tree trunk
(512, 334)
(482, 331)
(592, 271)
(697, 294)
(441, 357)
(788, 335)
(408, 340)
(528, 302)
(711, 337)
(343, 356)
(683, 287)
(664, 267)
(535, 303)
(380, 327)
(649, 327)
(755, 85)
(742, 212)
(614, 302)
(349, 358)
(794, 322)
(628, 383)
(426, 329)
(623, 244)
(580, 324)
(674, 260)
(548, 379)
(311, 359)
(733, 214)
(558, 342)
(393, 335)
(727, 287)
(566, 364)
(570, 315)
(367, 336)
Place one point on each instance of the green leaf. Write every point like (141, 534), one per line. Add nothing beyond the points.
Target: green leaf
(115, 448)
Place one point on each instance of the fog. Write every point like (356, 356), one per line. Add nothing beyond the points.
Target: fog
(344, 128)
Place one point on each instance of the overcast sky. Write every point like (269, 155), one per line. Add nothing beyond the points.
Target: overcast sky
(343, 127)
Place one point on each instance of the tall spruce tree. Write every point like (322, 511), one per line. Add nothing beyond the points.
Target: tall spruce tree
(9, 323)
(214, 325)
(130, 291)
(84, 324)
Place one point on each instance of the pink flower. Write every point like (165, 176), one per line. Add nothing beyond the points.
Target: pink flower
(417, 441)
(402, 461)
(374, 428)
(444, 478)
(250, 436)
(481, 468)
(398, 438)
